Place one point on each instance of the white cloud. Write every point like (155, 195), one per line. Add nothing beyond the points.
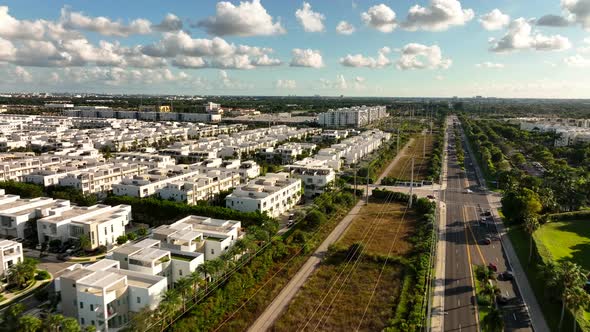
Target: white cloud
(310, 20)
(246, 19)
(265, 60)
(439, 77)
(116, 76)
(104, 25)
(489, 64)
(358, 60)
(345, 28)
(170, 22)
(553, 21)
(577, 61)
(494, 20)
(286, 84)
(380, 17)
(22, 75)
(439, 16)
(418, 56)
(183, 61)
(577, 11)
(13, 29)
(307, 58)
(520, 37)
(7, 49)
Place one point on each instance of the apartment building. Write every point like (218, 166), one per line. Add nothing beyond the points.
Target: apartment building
(106, 296)
(16, 212)
(151, 161)
(357, 116)
(274, 194)
(102, 178)
(148, 256)
(209, 236)
(569, 131)
(248, 169)
(17, 169)
(315, 176)
(103, 224)
(202, 187)
(11, 253)
(288, 152)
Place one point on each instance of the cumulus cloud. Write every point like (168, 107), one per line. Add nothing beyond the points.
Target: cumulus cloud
(380, 17)
(577, 61)
(116, 76)
(246, 19)
(286, 84)
(439, 16)
(307, 58)
(520, 36)
(14, 29)
(489, 64)
(345, 28)
(494, 20)
(310, 20)
(577, 11)
(170, 23)
(359, 60)
(22, 75)
(418, 56)
(104, 25)
(553, 21)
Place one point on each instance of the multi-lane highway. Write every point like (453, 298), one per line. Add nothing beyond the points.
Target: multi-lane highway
(466, 246)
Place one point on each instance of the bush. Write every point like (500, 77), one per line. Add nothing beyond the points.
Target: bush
(42, 275)
(121, 239)
(132, 236)
(101, 250)
(55, 243)
(142, 231)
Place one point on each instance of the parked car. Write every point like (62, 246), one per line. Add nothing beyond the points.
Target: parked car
(502, 299)
(63, 257)
(290, 223)
(492, 267)
(506, 275)
(19, 239)
(486, 240)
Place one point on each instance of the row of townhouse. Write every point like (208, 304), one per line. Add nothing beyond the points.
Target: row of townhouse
(145, 116)
(273, 194)
(357, 116)
(569, 131)
(288, 152)
(108, 293)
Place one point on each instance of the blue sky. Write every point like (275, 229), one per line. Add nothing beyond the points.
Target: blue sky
(398, 48)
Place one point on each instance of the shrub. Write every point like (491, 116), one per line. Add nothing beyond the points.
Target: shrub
(132, 236)
(42, 275)
(55, 243)
(142, 231)
(121, 239)
(101, 250)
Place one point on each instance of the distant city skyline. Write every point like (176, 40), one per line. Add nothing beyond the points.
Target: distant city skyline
(430, 48)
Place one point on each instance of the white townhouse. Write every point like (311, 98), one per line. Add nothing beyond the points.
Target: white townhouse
(315, 176)
(103, 224)
(106, 296)
(11, 253)
(202, 187)
(16, 212)
(274, 194)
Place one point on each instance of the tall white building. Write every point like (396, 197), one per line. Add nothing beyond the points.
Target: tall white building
(105, 296)
(274, 194)
(11, 253)
(357, 116)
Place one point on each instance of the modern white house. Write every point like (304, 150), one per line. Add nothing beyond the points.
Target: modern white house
(11, 253)
(103, 224)
(106, 296)
(274, 194)
(15, 212)
(315, 177)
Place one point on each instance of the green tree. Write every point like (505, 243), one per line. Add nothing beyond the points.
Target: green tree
(28, 323)
(84, 241)
(70, 324)
(53, 322)
(578, 298)
(494, 322)
(121, 239)
(531, 224)
(170, 303)
(183, 287)
(564, 277)
(11, 316)
(21, 273)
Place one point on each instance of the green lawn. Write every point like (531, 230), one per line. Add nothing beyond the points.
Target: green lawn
(569, 240)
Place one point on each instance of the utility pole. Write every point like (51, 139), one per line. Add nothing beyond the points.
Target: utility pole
(424, 147)
(367, 198)
(354, 179)
(412, 184)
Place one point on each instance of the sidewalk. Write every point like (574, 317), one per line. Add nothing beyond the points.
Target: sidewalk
(522, 282)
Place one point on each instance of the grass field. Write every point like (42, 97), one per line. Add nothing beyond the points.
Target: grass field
(386, 218)
(569, 240)
(403, 168)
(350, 302)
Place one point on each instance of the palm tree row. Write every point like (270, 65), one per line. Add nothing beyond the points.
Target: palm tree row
(13, 319)
(193, 288)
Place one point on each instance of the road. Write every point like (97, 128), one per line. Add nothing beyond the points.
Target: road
(465, 200)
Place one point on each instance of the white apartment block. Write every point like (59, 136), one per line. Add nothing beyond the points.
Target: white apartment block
(315, 177)
(148, 256)
(570, 131)
(273, 194)
(288, 152)
(248, 169)
(106, 296)
(196, 234)
(102, 178)
(11, 253)
(357, 116)
(16, 212)
(202, 187)
(15, 170)
(103, 224)
(146, 159)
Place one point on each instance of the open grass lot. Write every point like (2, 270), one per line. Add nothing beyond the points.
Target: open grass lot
(569, 240)
(346, 310)
(387, 221)
(350, 302)
(403, 168)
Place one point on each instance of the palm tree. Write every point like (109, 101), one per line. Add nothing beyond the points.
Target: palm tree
(85, 242)
(564, 278)
(70, 324)
(531, 224)
(578, 298)
(143, 320)
(53, 322)
(21, 273)
(170, 303)
(490, 291)
(28, 323)
(196, 279)
(183, 287)
(494, 321)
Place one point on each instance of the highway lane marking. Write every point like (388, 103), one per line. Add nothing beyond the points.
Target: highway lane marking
(470, 272)
(474, 239)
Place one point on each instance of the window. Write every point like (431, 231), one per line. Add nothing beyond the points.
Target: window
(81, 305)
(180, 272)
(82, 321)
(92, 309)
(138, 299)
(112, 229)
(91, 322)
(212, 251)
(106, 231)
